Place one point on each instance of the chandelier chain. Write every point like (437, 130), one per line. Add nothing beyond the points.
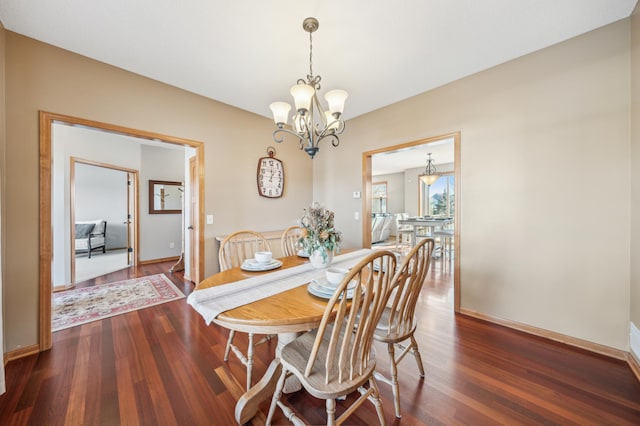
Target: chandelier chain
(311, 54)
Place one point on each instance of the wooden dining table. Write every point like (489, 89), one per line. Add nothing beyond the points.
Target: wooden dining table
(286, 314)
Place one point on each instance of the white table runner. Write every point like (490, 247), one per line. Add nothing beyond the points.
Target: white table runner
(210, 302)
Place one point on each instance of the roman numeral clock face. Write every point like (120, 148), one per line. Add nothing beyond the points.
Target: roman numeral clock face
(270, 176)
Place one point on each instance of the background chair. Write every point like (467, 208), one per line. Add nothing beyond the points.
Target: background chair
(404, 233)
(238, 246)
(398, 322)
(234, 249)
(289, 241)
(338, 357)
(445, 237)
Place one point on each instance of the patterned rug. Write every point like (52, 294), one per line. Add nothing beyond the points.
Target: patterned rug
(79, 306)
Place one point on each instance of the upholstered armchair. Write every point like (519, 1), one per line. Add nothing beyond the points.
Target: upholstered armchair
(381, 226)
(91, 235)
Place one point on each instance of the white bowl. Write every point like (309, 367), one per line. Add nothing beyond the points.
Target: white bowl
(263, 256)
(335, 275)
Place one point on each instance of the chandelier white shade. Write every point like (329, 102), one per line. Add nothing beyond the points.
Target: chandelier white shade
(336, 99)
(311, 122)
(280, 112)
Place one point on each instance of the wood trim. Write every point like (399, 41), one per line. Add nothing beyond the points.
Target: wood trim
(46, 238)
(105, 165)
(121, 130)
(457, 166)
(366, 200)
(551, 335)
(200, 168)
(20, 353)
(164, 259)
(72, 221)
(634, 364)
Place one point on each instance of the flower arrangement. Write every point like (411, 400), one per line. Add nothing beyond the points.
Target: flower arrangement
(318, 230)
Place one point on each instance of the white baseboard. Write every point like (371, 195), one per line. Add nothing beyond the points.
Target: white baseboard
(634, 341)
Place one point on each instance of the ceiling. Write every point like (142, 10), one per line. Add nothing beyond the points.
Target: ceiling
(247, 53)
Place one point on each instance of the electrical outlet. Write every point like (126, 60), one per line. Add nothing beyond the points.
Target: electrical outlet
(172, 245)
(209, 219)
(356, 215)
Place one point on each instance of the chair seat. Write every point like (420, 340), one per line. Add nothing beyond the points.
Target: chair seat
(397, 334)
(295, 356)
(83, 243)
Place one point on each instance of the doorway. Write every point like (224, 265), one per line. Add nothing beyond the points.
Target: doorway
(47, 121)
(107, 192)
(414, 192)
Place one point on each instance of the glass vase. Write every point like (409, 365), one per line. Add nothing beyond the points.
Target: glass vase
(321, 258)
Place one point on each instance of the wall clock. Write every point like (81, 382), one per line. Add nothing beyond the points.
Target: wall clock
(270, 175)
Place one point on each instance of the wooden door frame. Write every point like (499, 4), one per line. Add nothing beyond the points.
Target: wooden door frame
(46, 120)
(367, 198)
(191, 272)
(72, 211)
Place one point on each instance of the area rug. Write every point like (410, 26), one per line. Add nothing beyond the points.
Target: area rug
(80, 306)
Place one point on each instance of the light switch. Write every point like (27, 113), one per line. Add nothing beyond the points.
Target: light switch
(356, 194)
(209, 219)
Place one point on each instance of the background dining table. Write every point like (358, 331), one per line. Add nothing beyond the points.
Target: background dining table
(429, 222)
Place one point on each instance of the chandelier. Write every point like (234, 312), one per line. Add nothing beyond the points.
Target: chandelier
(311, 123)
(430, 175)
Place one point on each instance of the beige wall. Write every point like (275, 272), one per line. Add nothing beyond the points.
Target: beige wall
(544, 196)
(635, 169)
(546, 251)
(42, 77)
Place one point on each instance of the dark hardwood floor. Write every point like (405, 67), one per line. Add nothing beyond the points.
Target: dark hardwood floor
(163, 366)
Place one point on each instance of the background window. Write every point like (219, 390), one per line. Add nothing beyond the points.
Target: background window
(439, 198)
(379, 197)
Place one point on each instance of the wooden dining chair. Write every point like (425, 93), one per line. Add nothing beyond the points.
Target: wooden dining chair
(338, 357)
(289, 241)
(234, 249)
(239, 246)
(398, 324)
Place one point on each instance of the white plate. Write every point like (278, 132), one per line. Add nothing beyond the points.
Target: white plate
(319, 290)
(253, 265)
(303, 253)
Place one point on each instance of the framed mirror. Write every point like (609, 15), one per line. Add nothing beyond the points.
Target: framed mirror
(165, 197)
